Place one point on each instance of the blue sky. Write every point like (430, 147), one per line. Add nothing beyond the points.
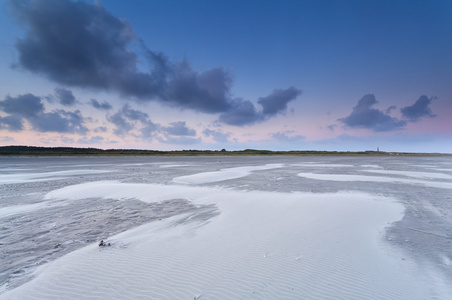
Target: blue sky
(279, 75)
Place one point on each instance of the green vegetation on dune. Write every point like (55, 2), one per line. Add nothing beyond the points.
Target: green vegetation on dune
(69, 151)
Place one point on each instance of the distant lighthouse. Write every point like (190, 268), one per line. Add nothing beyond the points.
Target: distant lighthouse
(378, 149)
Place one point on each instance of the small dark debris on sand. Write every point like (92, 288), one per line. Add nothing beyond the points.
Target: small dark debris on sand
(103, 244)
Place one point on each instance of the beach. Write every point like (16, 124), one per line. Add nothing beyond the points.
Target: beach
(226, 228)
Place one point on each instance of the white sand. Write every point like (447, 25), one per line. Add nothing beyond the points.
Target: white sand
(317, 165)
(424, 175)
(173, 166)
(262, 245)
(358, 178)
(8, 211)
(32, 177)
(224, 174)
(19, 209)
(372, 166)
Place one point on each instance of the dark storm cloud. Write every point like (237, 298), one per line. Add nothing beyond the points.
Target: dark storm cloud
(160, 67)
(277, 101)
(65, 97)
(122, 125)
(218, 136)
(243, 112)
(59, 121)
(101, 106)
(75, 43)
(138, 124)
(177, 133)
(126, 120)
(365, 116)
(207, 92)
(133, 114)
(30, 108)
(418, 110)
(149, 130)
(179, 129)
(82, 45)
(25, 106)
(11, 123)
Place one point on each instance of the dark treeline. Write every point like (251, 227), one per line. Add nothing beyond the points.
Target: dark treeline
(70, 151)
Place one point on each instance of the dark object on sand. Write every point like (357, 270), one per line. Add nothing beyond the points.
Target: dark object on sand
(102, 244)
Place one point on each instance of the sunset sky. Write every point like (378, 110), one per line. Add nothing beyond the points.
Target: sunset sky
(213, 74)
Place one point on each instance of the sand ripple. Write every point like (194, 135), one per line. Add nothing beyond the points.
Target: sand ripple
(261, 246)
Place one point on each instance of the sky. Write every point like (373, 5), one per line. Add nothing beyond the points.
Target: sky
(347, 75)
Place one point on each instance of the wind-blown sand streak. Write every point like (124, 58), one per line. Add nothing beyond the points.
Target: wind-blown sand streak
(424, 175)
(357, 178)
(20, 209)
(319, 165)
(32, 177)
(224, 174)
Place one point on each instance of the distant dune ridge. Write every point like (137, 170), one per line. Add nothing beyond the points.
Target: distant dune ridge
(69, 151)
